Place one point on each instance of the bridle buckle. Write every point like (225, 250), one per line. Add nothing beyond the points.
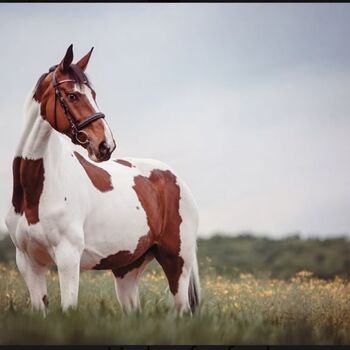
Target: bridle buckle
(84, 140)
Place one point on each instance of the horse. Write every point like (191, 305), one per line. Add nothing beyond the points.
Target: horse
(76, 208)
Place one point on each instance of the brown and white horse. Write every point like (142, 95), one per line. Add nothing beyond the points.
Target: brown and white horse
(117, 215)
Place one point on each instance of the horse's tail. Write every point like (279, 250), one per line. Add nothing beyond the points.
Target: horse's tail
(194, 287)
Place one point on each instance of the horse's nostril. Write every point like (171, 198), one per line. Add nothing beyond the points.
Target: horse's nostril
(103, 148)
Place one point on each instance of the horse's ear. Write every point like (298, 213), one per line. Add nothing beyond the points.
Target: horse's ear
(67, 59)
(83, 62)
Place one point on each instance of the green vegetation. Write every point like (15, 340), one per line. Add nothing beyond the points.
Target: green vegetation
(7, 249)
(243, 310)
(280, 258)
(255, 291)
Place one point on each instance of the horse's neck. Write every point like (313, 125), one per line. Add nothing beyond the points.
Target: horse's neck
(39, 157)
(41, 144)
(36, 134)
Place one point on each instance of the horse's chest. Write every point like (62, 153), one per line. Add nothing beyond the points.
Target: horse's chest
(31, 239)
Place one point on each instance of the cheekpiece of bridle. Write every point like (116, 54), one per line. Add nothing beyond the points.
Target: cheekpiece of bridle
(76, 127)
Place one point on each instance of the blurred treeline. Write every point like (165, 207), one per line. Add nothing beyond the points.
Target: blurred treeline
(261, 256)
(276, 258)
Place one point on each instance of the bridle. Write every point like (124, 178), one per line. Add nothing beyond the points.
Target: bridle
(76, 127)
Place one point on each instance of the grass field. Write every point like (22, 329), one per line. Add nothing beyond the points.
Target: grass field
(244, 310)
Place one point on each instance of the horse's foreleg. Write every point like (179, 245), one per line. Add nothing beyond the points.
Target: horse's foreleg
(67, 259)
(34, 276)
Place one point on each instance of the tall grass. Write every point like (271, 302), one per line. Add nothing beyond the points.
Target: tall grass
(243, 310)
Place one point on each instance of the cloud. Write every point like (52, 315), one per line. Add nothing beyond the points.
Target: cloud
(262, 158)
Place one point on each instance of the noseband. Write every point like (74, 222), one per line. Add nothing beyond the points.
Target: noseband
(76, 127)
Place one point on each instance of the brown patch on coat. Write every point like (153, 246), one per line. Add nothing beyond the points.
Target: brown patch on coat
(123, 162)
(99, 177)
(17, 193)
(159, 196)
(125, 261)
(28, 184)
(46, 300)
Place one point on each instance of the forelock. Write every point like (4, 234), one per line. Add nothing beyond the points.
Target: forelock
(74, 72)
(77, 74)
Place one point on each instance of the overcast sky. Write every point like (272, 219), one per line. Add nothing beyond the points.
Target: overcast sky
(248, 102)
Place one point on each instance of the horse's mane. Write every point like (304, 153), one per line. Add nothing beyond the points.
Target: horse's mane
(38, 84)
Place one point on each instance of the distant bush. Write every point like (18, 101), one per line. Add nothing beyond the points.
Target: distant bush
(7, 249)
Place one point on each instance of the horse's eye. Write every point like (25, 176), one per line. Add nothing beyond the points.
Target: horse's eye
(72, 97)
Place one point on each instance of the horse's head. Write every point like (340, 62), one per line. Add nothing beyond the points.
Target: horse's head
(68, 103)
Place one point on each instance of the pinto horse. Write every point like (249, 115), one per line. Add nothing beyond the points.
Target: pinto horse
(74, 207)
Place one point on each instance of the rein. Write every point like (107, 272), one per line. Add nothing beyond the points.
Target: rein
(76, 127)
